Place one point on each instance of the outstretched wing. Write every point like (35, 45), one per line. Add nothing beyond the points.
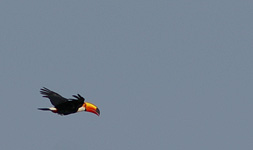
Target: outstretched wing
(55, 98)
(80, 99)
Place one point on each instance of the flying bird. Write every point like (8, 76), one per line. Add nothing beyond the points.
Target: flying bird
(64, 106)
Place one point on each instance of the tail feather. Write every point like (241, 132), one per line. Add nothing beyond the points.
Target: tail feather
(44, 109)
(54, 110)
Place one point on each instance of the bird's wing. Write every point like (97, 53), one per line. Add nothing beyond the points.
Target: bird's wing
(80, 99)
(55, 98)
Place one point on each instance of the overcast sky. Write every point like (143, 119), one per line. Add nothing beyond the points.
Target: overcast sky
(165, 74)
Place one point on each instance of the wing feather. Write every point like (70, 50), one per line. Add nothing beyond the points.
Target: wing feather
(55, 98)
(79, 98)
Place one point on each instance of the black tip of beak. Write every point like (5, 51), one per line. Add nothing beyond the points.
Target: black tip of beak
(98, 111)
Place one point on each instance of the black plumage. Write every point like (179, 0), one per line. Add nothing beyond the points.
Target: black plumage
(63, 105)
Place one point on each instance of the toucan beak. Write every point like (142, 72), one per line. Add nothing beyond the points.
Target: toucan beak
(91, 108)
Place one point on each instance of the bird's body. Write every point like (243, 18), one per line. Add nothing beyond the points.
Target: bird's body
(65, 106)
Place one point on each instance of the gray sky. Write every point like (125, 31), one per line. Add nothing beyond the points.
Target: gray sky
(165, 74)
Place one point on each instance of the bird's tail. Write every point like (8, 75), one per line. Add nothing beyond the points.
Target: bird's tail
(44, 109)
(53, 109)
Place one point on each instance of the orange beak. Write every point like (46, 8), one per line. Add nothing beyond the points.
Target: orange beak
(91, 108)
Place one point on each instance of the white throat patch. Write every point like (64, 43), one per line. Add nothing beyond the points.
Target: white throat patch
(81, 109)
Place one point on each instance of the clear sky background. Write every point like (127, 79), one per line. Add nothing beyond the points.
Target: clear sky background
(166, 74)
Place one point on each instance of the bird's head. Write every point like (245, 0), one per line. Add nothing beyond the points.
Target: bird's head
(91, 108)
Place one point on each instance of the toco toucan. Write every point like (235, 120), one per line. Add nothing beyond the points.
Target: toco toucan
(64, 106)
